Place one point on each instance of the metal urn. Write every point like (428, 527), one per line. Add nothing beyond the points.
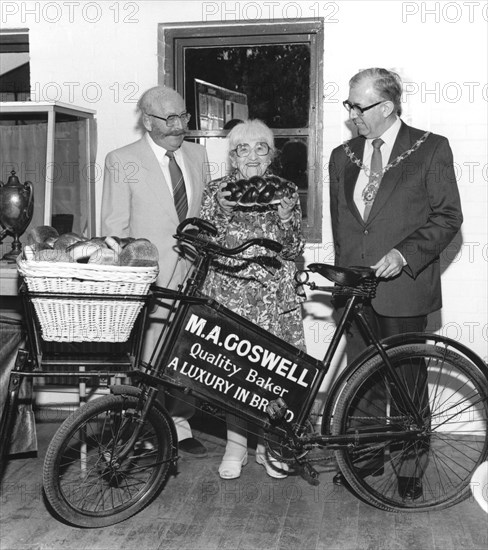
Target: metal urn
(16, 209)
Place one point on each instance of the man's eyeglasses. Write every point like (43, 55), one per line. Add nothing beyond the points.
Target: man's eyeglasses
(244, 149)
(357, 108)
(171, 119)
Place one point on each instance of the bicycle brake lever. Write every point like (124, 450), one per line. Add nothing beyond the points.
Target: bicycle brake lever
(274, 246)
(197, 222)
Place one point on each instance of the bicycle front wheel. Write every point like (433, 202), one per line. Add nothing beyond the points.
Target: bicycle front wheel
(433, 469)
(94, 474)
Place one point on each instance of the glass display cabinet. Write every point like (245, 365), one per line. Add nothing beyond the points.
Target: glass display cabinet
(52, 145)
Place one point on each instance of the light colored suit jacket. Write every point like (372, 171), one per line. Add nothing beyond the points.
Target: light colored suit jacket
(137, 202)
(417, 211)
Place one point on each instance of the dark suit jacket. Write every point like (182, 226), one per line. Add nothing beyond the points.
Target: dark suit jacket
(417, 210)
(137, 202)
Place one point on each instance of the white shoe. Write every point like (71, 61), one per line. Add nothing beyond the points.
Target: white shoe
(230, 468)
(274, 468)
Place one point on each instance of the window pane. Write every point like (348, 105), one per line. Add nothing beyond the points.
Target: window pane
(274, 79)
(70, 186)
(14, 65)
(291, 164)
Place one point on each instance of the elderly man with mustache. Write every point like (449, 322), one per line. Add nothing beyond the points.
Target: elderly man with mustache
(150, 186)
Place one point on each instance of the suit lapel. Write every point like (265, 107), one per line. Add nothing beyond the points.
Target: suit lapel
(193, 169)
(351, 173)
(393, 176)
(152, 177)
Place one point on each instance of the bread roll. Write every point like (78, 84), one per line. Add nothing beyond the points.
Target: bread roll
(81, 251)
(51, 255)
(140, 252)
(104, 256)
(41, 234)
(113, 243)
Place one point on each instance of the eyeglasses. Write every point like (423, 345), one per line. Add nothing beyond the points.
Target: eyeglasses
(171, 120)
(357, 108)
(244, 149)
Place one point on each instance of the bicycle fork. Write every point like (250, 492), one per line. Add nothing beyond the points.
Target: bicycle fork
(138, 416)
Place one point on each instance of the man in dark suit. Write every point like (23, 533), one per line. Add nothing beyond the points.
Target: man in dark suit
(140, 200)
(394, 206)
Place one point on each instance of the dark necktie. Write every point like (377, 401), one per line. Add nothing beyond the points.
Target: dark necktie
(178, 183)
(375, 175)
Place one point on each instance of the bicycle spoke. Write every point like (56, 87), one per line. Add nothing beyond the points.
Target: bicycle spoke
(433, 467)
(94, 477)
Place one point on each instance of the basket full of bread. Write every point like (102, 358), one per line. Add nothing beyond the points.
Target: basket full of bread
(86, 290)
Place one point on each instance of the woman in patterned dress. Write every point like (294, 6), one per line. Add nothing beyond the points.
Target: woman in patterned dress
(264, 294)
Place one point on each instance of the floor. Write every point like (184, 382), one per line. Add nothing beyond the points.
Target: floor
(198, 510)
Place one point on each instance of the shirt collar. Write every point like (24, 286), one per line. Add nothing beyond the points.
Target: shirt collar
(158, 150)
(390, 135)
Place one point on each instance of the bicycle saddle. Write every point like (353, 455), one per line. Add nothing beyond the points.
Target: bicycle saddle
(344, 276)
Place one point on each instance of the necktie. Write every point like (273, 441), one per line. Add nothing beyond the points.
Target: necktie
(178, 183)
(369, 192)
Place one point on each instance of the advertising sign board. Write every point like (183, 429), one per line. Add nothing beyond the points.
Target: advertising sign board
(219, 354)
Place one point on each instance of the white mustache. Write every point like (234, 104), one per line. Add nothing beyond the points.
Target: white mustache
(177, 132)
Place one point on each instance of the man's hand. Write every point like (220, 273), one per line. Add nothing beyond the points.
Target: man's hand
(390, 265)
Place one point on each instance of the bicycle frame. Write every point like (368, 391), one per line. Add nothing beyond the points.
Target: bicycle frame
(399, 418)
(276, 411)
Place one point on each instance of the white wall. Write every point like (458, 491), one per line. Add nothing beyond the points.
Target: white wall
(102, 55)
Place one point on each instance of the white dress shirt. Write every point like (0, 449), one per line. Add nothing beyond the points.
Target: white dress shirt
(389, 138)
(163, 161)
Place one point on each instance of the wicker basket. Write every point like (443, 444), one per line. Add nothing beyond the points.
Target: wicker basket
(91, 319)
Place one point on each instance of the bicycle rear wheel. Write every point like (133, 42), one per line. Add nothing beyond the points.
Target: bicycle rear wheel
(432, 470)
(86, 479)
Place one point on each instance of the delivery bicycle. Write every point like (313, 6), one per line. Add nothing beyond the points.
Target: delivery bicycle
(412, 408)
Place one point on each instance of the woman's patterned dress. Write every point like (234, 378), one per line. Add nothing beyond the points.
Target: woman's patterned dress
(264, 295)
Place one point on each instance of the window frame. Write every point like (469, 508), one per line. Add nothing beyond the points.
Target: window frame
(174, 38)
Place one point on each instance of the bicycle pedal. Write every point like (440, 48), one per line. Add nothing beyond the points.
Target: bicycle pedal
(309, 474)
(276, 409)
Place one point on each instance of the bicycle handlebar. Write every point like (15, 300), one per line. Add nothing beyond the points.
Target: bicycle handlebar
(215, 248)
(198, 222)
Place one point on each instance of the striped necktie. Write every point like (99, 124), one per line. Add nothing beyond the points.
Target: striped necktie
(376, 167)
(178, 183)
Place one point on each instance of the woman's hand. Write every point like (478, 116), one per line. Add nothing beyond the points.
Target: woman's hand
(227, 206)
(286, 206)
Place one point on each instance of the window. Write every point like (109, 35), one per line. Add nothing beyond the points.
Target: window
(14, 65)
(271, 71)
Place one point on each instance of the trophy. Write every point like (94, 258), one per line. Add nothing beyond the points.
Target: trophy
(16, 210)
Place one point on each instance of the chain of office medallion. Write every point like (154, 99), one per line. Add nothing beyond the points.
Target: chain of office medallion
(353, 158)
